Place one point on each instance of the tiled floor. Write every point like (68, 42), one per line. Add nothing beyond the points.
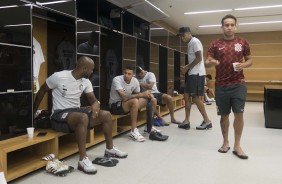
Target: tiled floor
(188, 156)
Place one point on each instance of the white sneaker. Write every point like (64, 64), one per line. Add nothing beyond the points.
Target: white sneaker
(86, 166)
(64, 165)
(115, 152)
(136, 136)
(212, 100)
(56, 168)
(153, 129)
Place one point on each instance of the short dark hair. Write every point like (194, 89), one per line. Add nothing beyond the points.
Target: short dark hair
(138, 70)
(128, 67)
(228, 17)
(209, 76)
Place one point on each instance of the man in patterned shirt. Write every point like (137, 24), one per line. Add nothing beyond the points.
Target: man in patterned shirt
(230, 89)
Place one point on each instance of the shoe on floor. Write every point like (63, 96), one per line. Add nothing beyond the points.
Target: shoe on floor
(204, 126)
(208, 103)
(56, 168)
(64, 165)
(157, 136)
(223, 150)
(48, 157)
(240, 156)
(86, 166)
(153, 129)
(107, 162)
(136, 136)
(185, 126)
(176, 122)
(212, 100)
(115, 152)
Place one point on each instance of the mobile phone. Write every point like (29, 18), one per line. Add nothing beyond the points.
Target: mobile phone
(40, 134)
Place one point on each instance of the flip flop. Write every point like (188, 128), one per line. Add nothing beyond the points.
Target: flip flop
(223, 150)
(107, 162)
(115, 161)
(176, 122)
(240, 156)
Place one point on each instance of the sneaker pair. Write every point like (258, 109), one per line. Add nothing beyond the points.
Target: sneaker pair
(58, 168)
(115, 152)
(204, 126)
(136, 136)
(86, 166)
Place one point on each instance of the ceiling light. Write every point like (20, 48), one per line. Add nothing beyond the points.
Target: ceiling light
(156, 8)
(259, 7)
(12, 6)
(268, 22)
(156, 28)
(15, 25)
(214, 25)
(210, 11)
(54, 2)
(246, 23)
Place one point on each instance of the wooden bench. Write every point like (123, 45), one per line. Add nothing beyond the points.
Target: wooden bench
(21, 155)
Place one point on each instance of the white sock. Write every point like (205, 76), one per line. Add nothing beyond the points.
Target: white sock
(207, 98)
(2, 178)
(110, 149)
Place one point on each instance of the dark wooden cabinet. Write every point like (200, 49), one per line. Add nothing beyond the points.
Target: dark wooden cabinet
(273, 106)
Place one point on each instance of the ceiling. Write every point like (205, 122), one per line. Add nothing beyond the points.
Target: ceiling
(175, 10)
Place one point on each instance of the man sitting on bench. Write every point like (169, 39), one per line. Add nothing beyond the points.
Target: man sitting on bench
(125, 97)
(67, 115)
(148, 81)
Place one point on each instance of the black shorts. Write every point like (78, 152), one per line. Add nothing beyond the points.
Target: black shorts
(228, 97)
(195, 85)
(159, 96)
(116, 108)
(59, 118)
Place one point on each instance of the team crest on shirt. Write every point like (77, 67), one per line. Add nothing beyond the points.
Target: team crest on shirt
(238, 47)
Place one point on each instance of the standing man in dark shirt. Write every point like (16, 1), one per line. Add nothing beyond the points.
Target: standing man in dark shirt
(230, 86)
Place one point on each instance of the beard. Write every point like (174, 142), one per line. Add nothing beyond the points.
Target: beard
(86, 76)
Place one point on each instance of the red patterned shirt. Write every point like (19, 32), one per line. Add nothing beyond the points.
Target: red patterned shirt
(228, 52)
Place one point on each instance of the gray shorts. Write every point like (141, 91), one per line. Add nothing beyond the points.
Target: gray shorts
(228, 97)
(195, 85)
(59, 119)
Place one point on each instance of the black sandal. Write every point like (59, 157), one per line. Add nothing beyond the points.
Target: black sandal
(107, 162)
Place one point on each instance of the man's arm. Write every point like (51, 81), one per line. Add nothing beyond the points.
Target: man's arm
(124, 97)
(197, 60)
(248, 62)
(210, 61)
(39, 96)
(149, 85)
(95, 104)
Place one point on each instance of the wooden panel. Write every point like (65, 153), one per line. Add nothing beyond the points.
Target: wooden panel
(266, 49)
(263, 74)
(262, 37)
(159, 40)
(174, 42)
(267, 62)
